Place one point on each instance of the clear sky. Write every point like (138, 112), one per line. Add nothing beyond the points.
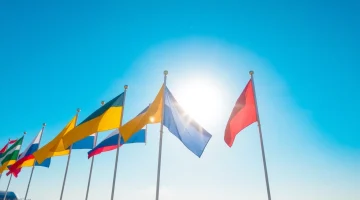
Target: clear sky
(56, 56)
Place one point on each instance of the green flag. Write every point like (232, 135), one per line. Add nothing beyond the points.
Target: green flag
(11, 154)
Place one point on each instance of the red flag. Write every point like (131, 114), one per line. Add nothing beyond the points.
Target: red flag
(5, 147)
(12, 141)
(242, 115)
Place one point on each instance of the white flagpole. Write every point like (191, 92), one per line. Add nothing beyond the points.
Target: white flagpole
(118, 145)
(7, 189)
(161, 138)
(92, 163)
(33, 167)
(68, 160)
(261, 138)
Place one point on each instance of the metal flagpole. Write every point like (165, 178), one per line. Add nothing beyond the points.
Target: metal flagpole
(32, 170)
(261, 138)
(118, 145)
(92, 163)
(161, 138)
(67, 164)
(7, 189)
(4, 152)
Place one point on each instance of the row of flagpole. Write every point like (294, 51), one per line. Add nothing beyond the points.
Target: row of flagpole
(159, 152)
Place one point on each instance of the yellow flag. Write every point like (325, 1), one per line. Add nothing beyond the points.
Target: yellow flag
(149, 116)
(56, 146)
(105, 118)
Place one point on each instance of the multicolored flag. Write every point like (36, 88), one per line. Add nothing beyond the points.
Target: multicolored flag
(26, 158)
(11, 154)
(111, 142)
(180, 124)
(242, 115)
(56, 146)
(105, 118)
(6, 146)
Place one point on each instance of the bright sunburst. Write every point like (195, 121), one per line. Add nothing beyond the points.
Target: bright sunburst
(200, 98)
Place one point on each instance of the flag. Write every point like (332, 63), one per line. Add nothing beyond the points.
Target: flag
(26, 158)
(190, 133)
(111, 142)
(105, 118)
(242, 115)
(56, 147)
(5, 147)
(11, 154)
(16, 172)
(150, 115)
(180, 124)
(86, 143)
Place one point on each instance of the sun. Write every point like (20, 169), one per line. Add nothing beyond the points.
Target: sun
(201, 99)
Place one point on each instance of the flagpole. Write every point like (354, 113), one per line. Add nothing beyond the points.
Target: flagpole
(92, 163)
(68, 160)
(5, 149)
(161, 138)
(33, 167)
(261, 138)
(117, 148)
(7, 189)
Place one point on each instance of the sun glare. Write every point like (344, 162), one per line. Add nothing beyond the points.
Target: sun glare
(201, 100)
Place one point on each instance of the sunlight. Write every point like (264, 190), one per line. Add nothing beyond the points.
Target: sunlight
(201, 99)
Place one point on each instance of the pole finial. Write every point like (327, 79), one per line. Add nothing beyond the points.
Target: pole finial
(44, 124)
(166, 72)
(78, 110)
(251, 72)
(102, 103)
(126, 87)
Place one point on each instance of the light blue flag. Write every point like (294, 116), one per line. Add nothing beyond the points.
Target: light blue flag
(190, 133)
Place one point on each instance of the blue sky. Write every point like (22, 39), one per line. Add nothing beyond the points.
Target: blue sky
(56, 56)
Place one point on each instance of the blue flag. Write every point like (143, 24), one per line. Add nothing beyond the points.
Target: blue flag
(190, 133)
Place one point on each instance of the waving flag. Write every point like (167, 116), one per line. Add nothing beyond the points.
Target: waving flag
(190, 133)
(111, 142)
(11, 154)
(26, 158)
(6, 146)
(150, 115)
(105, 118)
(242, 115)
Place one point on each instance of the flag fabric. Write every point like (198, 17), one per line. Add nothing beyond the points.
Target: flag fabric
(190, 133)
(16, 172)
(242, 115)
(180, 124)
(105, 118)
(86, 143)
(11, 154)
(150, 115)
(26, 158)
(6, 146)
(55, 147)
(111, 142)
